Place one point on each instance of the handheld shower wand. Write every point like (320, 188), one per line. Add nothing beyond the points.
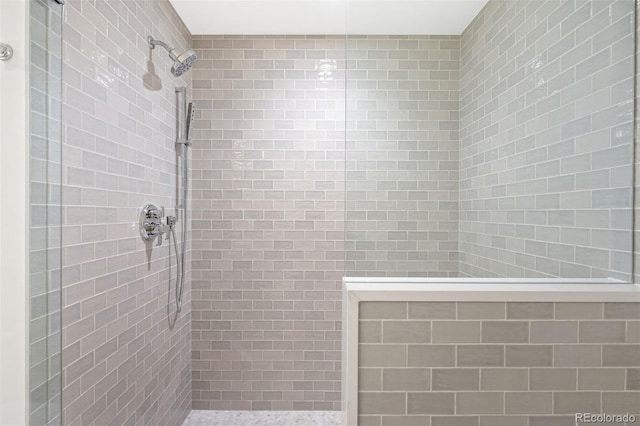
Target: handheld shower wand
(185, 133)
(191, 114)
(186, 143)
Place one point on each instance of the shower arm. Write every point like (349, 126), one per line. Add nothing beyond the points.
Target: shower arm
(153, 43)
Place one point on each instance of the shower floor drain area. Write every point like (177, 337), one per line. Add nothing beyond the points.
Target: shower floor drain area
(262, 418)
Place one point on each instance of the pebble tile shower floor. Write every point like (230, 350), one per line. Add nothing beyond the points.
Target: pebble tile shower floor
(262, 418)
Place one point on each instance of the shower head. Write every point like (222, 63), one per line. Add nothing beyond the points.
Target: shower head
(181, 61)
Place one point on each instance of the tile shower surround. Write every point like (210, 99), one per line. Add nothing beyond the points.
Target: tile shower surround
(100, 140)
(251, 91)
(546, 136)
(122, 362)
(494, 363)
(268, 181)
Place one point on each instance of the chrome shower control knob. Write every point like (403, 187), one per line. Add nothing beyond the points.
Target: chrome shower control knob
(6, 52)
(151, 222)
(153, 228)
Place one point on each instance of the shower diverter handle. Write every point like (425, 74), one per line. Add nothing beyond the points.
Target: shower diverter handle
(151, 226)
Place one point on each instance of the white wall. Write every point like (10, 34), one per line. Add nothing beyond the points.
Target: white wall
(13, 215)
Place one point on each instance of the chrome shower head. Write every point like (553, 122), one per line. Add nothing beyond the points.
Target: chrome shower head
(181, 61)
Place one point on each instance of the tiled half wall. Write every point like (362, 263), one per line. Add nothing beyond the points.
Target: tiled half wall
(495, 363)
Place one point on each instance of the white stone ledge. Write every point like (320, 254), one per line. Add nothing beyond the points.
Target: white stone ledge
(489, 290)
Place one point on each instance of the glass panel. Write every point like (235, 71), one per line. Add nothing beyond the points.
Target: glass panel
(402, 142)
(45, 203)
(502, 151)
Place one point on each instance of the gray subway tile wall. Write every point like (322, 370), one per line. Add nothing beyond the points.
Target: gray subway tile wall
(402, 156)
(268, 194)
(546, 140)
(122, 361)
(516, 380)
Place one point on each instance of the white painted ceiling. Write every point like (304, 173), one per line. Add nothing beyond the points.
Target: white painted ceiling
(397, 17)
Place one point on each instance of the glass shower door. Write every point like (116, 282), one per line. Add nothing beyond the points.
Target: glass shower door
(45, 176)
